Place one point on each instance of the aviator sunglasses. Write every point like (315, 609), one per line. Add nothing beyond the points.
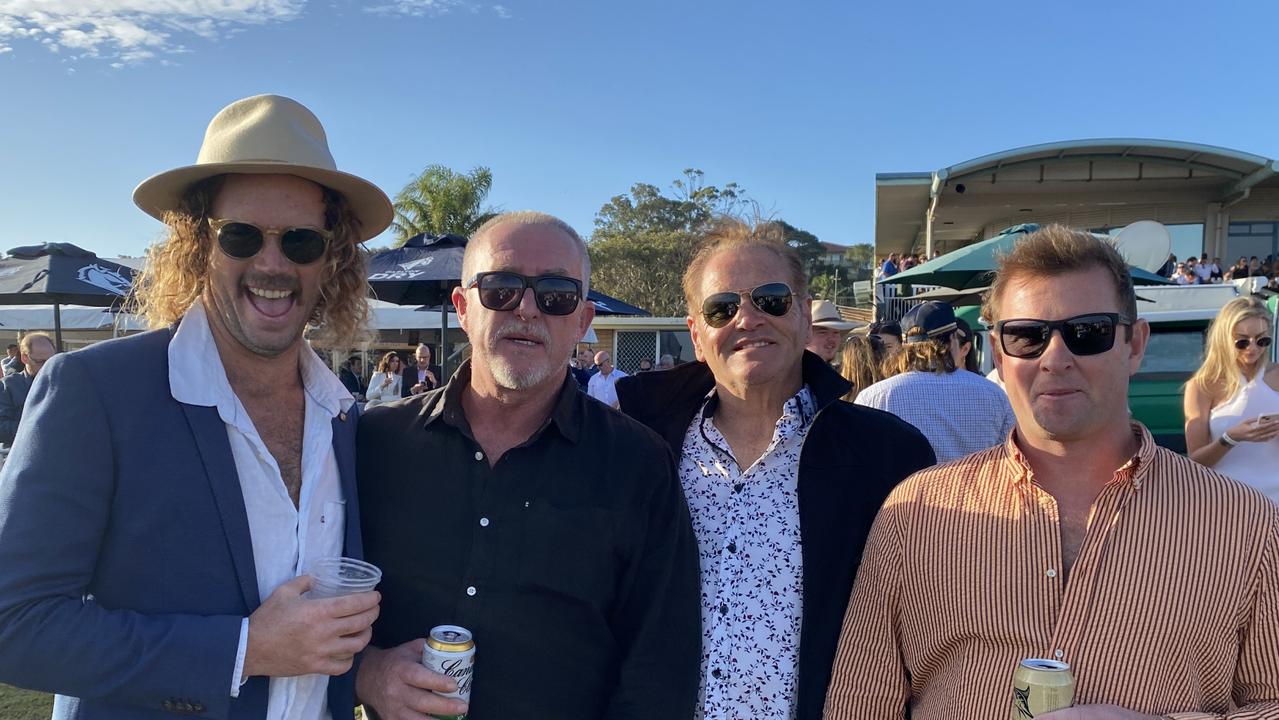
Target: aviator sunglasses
(555, 294)
(242, 240)
(772, 298)
(1243, 343)
(1089, 334)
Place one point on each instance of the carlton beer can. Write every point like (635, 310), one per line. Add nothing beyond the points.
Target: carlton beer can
(1041, 686)
(451, 651)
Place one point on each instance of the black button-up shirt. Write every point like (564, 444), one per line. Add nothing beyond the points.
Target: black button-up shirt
(572, 560)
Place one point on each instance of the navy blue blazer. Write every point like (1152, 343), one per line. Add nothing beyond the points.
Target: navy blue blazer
(126, 563)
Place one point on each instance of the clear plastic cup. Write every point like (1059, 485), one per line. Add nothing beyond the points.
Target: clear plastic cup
(337, 576)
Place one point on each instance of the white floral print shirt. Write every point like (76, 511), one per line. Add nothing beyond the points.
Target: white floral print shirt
(748, 535)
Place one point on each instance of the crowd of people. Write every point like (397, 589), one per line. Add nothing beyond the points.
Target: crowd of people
(725, 538)
(1201, 271)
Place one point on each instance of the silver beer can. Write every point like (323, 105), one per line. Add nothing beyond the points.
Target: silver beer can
(450, 651)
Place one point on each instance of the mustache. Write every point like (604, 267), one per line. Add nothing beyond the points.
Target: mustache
(533, 332)
(271, 282)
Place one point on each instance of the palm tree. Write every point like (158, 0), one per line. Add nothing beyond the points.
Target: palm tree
(441, 202)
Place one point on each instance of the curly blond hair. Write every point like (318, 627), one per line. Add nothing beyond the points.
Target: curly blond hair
(177, 267)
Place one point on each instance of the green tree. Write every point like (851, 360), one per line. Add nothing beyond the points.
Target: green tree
(644, 239)
(862, 255)
(440, 202)
(807, 245)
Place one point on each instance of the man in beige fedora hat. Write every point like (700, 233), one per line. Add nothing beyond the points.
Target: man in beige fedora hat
(157, 526)
(827, 331)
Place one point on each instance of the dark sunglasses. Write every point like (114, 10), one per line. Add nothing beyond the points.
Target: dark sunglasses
(555, 294)
(1243, 343)
(1089, 334)
(242, 240)
(772, 298)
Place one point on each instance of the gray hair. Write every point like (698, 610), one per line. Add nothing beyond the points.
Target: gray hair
(529, 217)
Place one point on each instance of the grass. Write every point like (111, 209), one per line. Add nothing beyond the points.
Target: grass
(18, 704)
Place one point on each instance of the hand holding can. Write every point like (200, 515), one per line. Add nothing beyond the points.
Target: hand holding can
(450, 651)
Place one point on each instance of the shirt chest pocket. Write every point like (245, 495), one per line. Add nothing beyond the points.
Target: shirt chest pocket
(570, 553)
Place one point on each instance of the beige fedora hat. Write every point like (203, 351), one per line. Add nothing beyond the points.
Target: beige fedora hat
(826, 315)
(267, 135)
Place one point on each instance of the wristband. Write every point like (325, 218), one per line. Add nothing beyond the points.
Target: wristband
(1227, 441)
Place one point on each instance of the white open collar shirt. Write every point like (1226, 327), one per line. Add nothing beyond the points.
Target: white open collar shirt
(752, 565)
(286, 540)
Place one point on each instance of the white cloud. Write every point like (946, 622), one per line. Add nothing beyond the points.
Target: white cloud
(127, 32)
(418, 8)
(130, 32)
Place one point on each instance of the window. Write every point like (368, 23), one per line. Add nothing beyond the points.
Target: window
(1178, 351)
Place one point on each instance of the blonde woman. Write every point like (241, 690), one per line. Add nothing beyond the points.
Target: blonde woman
(384, 386)
(861, 362)
(1232, 402)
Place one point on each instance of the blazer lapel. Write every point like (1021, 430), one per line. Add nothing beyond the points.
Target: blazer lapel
(344, 451)
(219, 466)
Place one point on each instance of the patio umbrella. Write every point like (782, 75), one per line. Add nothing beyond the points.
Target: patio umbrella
(423, 271)
(61, 274)
(973, 266)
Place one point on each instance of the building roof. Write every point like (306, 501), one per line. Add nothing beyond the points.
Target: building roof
(1025, 184)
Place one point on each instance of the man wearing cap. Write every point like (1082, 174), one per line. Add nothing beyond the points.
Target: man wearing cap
(958, 411)
(782, 477)
(159, 567)
(826, 330)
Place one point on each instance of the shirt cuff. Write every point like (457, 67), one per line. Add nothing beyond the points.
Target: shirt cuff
(236, 679)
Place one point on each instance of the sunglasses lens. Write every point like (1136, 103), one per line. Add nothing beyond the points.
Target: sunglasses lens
(773, 298)
(1243, 343)
(556, 295)
(1089, 335)
(720, 308)
(501, 291)
(1023, 338)
(240, 240)
(302, 246)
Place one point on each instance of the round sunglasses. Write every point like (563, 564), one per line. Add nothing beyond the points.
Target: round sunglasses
(243, 240)
(1089, 334)
(771, 298)
(1261, 342)
(555, 294)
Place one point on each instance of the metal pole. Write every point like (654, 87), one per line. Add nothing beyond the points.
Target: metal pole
(444, 330)
(57, 326)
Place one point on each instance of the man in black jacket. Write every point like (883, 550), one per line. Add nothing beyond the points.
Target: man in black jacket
(766, 450)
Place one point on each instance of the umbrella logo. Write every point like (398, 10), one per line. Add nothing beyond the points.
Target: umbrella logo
(407, 271)
(105, 278)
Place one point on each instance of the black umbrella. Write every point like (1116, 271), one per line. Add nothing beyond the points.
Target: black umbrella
(61, 274)
(605, 305)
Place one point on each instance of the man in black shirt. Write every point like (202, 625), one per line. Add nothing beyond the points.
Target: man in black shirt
(510, 503)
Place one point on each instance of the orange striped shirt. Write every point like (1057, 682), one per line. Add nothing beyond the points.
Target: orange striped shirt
(1172, 607)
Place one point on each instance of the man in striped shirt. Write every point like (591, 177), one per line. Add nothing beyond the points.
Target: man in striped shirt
(1079, 540)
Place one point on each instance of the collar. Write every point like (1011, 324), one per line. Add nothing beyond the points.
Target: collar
(196, 375)
(446, 402)
(1136, 471)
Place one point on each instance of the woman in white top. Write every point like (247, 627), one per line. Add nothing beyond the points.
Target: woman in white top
(1232, 402)
(384, 386)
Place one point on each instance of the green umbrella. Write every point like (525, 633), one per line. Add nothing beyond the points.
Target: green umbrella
(974, 266)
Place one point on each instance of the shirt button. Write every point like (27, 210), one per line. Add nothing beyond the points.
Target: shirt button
(1051, 573)
(716, 674)
(732, 547)
(484, 522)
(738, 487)
(723, 609)
(471, 591)
(1058, 654)
(479, 455)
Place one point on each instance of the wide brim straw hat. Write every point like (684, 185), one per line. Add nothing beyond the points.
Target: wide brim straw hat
(267, 135)
(826, 315)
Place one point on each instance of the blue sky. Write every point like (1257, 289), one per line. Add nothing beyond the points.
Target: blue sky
(571, 102)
